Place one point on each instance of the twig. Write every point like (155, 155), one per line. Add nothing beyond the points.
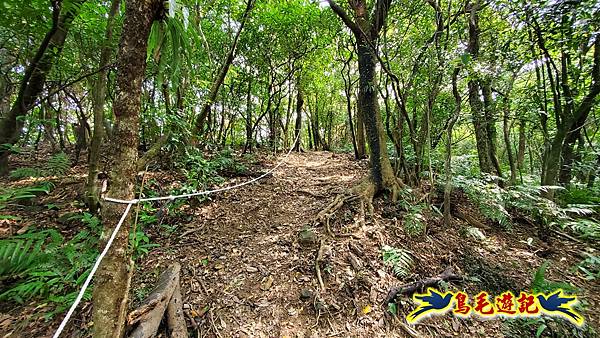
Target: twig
(137, 207)
(412, 332)
(191, 231)
(317, 268)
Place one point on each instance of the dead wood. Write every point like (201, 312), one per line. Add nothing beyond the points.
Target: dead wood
(150, 313)
(447, 275)
(470, 219)
(354, 261)
(175, 319)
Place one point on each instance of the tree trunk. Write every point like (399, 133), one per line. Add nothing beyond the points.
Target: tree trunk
(298, 126)
(448, 161)
(348, 91)
(489, 109)
(34, 78)
(111, 288)
(522, 143)
(99, 99)
(507, 143)
(382, 173)
(568, 131)
(248, 119)
(366, 34)
(479, 123)
(361, 149)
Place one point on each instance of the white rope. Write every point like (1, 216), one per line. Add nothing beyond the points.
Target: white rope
(89, 277)
(206, 192)
(135, 201)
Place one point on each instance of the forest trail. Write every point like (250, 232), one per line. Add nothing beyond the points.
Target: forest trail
(244, 271)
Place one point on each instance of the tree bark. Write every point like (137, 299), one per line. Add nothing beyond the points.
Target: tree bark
(99, 99)
(448, 161)
(34, 78)
(111, 288)
(507, 143)
(361, 148)
(489, 109)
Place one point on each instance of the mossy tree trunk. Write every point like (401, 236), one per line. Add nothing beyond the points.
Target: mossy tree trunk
(98, 101)
(366, 31)
(112, 283)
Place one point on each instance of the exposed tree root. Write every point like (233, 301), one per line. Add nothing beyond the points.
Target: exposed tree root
(447, 275)
(318, 260)
(364, 191)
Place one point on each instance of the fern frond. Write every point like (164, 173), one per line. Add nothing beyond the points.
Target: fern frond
(401, 261)
(541, 284)
(19, 257)
(58, 164)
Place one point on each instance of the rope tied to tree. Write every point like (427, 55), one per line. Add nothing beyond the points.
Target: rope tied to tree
(124, 216)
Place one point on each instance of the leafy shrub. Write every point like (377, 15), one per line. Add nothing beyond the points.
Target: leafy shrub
(414, 221)
(140, 244)
(401, 261)
(590, 267)
(580, 195)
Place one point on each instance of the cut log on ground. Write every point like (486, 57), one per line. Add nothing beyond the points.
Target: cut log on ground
(165, 299)
(446, 276)
(175, 319)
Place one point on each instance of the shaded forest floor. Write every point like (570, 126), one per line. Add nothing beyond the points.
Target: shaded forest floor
(248, 261)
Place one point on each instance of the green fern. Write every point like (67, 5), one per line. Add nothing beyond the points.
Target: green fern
(26, 172)
(18, 257)
(585, 228)
(590, 267)
(11, 195)
(541, 284)
(58, 164)
(401, 261)
(414, 221)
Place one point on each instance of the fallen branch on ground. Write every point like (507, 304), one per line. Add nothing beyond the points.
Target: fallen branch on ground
(447, 275)
(319, 258)
(470, 219)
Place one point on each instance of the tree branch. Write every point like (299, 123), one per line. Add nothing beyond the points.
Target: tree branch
(345, 18)
(381, 12)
